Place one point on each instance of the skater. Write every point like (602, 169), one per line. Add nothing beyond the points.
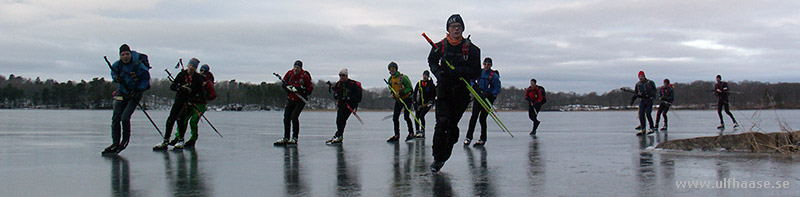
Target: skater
(646, 92)
(186, 85)
(424, 98)
(667, 96)
(297, 82)
(200, 101)
(535, 95)
(488, 85)
(453, 94)
(347, 93)
(402, 85)
(133, 77)
(721, 91)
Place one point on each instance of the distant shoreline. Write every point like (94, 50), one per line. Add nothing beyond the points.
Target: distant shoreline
(387, 110)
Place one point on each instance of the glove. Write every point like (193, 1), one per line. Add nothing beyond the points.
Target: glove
(487, 95)
(186, 88)
(291, 88)
(394, 96)
(445, 74)
(301, 89)
(133, 76)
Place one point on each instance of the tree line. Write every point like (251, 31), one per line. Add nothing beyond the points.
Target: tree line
(19, 92)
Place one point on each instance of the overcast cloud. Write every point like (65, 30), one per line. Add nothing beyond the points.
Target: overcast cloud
(579, 46)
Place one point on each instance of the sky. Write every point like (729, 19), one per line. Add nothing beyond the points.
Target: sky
(568, 46)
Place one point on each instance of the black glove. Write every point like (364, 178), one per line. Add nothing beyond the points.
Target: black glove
(487, 95)
(444, 74)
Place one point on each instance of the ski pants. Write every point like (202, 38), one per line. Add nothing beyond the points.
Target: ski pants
(449, 110)
(478, 114)
(645, 111)
(398, 106)
(291, 118)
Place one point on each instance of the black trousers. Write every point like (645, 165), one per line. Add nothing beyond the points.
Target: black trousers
(646, 111)
(478, 114)
(176, 113)
(123, 110)
(724, 104)
(291, 118)
(662, 109)
(342, 114)
(398, 106)
(533, 114)
(449, 110)
(421, 112)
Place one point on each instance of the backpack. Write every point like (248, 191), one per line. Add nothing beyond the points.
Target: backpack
(544, 95)
(210, 94)
(143, 59)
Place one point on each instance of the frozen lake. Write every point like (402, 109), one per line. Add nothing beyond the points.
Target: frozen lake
(57, 153)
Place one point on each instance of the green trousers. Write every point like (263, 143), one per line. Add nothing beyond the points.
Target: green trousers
(194, 117)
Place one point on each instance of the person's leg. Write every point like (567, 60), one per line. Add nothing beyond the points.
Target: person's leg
(728, 111)
(418, 114)
(458, 112)
(536, 121)
(183, 122)
(296, 119)
(482, 120)
(406, 117)
(174, 113)
(421, 115)
(287, 118)
(342, 114)
(126, 121)
(116, 121)
(661, 108)
(195, 118)
(719, 112)
(440, 137)
(649, 113)
(666, 109)
(642, 118)
(473, 119)
(396, 117)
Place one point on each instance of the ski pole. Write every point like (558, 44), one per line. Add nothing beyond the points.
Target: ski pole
(354, 113)
(486, 107)
(293, 92)
(472, 91)
(330, 87)
(494, 111)
(388, 116)
(403, 102)
(197, 110)
(151, 120)
(202, 114)
(137, 103)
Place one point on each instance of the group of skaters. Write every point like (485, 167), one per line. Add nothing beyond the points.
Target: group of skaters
(455, 62)
(193, 90)
(645, 90)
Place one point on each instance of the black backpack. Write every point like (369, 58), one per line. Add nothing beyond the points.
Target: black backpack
(143, 59)
(544, 95)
